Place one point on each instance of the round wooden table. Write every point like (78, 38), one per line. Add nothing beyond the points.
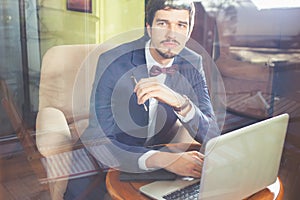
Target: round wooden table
(119, 190)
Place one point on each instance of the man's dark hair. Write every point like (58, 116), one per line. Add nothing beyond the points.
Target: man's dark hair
(155, 5)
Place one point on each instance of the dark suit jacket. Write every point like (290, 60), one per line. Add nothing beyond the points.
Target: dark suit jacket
(116, 116)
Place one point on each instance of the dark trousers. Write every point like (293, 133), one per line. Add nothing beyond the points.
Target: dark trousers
(87, 188)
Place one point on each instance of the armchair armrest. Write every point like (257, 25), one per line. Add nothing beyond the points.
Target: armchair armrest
(52, 132)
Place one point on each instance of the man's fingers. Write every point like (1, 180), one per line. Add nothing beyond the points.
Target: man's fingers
(145, 82)
(196, 174)
(146, 90)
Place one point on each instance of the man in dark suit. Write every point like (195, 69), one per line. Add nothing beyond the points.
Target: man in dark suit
(134, 106)
(133, 117)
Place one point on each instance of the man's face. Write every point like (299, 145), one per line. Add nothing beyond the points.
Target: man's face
(169, 33)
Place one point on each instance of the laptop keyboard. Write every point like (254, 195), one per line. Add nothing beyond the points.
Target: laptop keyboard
(187, 193)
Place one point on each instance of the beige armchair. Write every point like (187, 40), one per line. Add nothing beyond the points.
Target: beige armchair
(60, 67)
(67, 75)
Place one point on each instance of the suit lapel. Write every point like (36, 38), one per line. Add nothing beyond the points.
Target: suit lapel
(139, 71)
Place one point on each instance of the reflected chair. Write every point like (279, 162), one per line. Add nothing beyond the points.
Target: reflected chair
(246, 84)
(54, 151)
(24, 134)
(54, 170)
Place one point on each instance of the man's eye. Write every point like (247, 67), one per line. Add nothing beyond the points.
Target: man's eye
(161, 23)
(182, 25)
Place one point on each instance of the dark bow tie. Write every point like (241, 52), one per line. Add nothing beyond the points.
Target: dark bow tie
(156, 70)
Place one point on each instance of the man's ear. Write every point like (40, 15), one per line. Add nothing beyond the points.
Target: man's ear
(148, 27)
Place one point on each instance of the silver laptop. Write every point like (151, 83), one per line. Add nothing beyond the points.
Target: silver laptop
(236, 165)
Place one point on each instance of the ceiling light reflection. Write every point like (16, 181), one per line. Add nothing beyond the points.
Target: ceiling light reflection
(268, 4)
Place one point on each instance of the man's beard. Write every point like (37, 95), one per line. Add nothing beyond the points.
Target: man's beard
(167, 55)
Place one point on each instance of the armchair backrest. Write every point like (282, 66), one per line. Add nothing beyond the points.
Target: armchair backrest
(66, 80)
(60, 67)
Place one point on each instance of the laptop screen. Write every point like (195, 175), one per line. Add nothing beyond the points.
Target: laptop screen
(236, 165)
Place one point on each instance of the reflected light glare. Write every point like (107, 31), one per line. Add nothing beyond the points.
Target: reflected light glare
(268, 4)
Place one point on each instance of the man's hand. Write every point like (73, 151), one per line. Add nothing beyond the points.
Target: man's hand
(184, 164)
(150, 88)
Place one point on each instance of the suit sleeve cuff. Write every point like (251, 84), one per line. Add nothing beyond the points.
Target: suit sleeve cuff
(189, 116)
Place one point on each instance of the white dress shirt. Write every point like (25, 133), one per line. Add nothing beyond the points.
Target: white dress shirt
(153, 104)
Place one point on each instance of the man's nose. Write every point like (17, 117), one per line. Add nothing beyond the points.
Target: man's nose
(171, 31)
